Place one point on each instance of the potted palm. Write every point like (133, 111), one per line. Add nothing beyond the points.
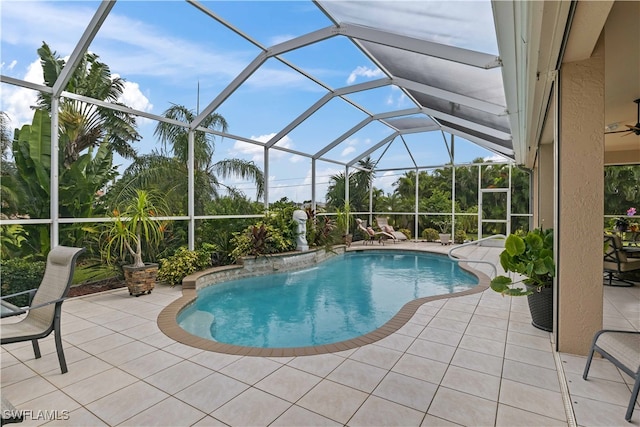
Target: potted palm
(135, 226)
(445, 234)
(531, 257)
(343, 223)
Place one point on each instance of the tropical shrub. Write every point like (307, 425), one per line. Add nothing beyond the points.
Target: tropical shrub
(184, 262)
(430, 234)
(19, 275)
(406, 232)
(460, 236)
(261, 239)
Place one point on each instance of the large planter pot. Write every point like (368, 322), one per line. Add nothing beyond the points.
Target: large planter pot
(140, 280)
(445, 238)
(541, 307)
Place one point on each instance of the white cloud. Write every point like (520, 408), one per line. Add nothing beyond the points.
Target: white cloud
(350, 149)
(397, 98)
(280, 39)
(363, 71)
(17, 101)
(256, 152)
(385, 182)
(9, 67)
(496, 158)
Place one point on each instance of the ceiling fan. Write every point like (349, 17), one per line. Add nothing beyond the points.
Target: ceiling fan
(632, 129)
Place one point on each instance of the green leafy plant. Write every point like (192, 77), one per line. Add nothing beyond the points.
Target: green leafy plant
(343, 219)
(19, 275)
(460, 236)
(134, 224)
(430, 234)
(260, 239)
(530, 256)
(184, 262)
(444, 225)
(406, 232)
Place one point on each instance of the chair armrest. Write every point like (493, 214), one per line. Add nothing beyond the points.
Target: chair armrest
(26, 309)
(33, 291)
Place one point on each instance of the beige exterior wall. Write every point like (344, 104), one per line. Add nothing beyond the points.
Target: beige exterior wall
(546, 184)
(580, 202)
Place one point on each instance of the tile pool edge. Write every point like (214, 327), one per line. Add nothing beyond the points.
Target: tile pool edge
(168, 323)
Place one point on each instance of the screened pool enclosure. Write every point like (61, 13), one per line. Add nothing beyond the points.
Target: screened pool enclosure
(410, 93)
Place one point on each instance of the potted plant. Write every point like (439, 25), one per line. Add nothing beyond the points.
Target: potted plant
(445, 234)
(343, 223)
(134, 225)
(531, 257)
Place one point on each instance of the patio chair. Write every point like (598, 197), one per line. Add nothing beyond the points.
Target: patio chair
(622, 348)
(384, 226)
(370, 234)
(45, 305)
(616, 261)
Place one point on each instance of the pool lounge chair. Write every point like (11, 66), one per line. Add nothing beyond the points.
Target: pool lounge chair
(45, 305)
(384, 226)
(370, 234)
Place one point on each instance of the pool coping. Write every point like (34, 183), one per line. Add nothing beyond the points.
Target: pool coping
(168, 324)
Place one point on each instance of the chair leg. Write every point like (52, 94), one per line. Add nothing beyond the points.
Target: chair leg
(588, 365)
(36, 348)
(61, 359)
(634, 397)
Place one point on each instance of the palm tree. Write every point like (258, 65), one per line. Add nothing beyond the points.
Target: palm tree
(167, 170)
(359, 185)
(84, 125)
(8, 196)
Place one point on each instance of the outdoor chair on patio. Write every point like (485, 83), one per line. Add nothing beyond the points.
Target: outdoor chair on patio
(45, 304)
(370, 234)
(616, 261)
(385, 227)
(622, 348)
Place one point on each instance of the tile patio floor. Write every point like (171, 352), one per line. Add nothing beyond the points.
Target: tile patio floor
(472, 361)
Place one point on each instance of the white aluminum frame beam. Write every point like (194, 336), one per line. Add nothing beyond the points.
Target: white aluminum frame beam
(498, 149)
(380, 117)
(456, 98)
(424, 47)
(83, 44)
(275, 50)
(322, 101)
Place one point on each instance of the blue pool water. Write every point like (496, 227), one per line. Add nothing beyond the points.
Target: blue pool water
(342, 298)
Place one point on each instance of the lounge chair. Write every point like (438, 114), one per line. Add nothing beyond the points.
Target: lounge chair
(622, 348)
(616, 261)
(370, 234)
(384, 226)
(45, 305)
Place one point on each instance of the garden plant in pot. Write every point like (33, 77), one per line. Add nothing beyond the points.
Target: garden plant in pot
(135, 226)
(531, 257)
(343, 224)
(445, 233)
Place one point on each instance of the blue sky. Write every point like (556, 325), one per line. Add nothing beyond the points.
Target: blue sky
(165, 50)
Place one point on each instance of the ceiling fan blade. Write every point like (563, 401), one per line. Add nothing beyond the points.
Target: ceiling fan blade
(619, 131)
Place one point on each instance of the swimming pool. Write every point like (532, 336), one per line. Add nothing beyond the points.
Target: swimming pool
(340, 299)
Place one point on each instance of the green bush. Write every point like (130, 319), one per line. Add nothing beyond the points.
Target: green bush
(261, 239)
(460, 236)
(430, 234)
(406, 232)
(20, 275)
(184, 262)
